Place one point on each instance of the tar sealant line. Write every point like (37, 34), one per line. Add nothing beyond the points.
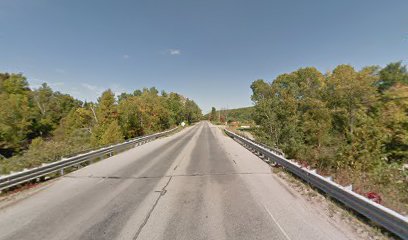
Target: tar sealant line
(162, 192)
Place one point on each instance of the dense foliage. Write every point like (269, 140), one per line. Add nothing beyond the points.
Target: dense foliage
(347, 123)
(240, 115)
(213, 115)
(41, 125)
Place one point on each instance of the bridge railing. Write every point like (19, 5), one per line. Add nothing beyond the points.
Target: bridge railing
(14, 179)
(385, 217)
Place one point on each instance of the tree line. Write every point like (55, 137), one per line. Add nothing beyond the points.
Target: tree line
(41, 125)
(346, 123)
(241, 115)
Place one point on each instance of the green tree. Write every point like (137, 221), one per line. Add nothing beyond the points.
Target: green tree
(106, 110)
(43, 125)
(16, 115)
(112, 134)
(104, 114)
(265, 112)
(393, 73)
(130, 117)
(176, 107)
(154, 91)
(137, 93)
(49, 108)
(124, 96)
(260, 90)
(15, 122)
(351, 95)
(394, 117)
(14, 84)
(78, 123)
(192, 111)
(350, 124)
(213, 116)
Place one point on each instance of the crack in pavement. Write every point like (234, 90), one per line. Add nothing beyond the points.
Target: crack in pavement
(222, 174)
(169, 176)
(113, 177)
(162, 192)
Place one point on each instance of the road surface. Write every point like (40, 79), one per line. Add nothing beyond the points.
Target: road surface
(196, 184)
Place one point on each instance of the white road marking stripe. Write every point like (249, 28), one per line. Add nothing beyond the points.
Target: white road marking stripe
(277, 224)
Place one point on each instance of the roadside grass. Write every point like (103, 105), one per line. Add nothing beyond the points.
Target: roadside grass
(334, 209)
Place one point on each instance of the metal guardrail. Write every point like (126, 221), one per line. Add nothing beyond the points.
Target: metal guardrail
(385, 217)
(18, 178)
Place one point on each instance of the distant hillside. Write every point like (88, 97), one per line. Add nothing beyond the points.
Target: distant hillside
(242, 115)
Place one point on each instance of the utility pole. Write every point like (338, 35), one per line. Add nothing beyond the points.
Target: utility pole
(226, 115)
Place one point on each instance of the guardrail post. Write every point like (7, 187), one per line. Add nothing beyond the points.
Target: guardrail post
(62, 172)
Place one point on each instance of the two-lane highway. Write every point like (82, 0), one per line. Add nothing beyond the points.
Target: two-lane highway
(196, 184)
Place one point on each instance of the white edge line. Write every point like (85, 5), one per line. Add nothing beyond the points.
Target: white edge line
(276, 222)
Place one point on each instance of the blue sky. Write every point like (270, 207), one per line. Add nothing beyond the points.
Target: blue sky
(209, 51)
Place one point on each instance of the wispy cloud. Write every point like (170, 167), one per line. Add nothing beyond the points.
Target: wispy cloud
(56, 84)
(92, 87)
(93, 92)
(174, 51)
(125, 56)
(117, 89)
(36, 83)
(90, 92)
(83, 91)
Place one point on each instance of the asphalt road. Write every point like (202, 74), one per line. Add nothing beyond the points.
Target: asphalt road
(196, 184)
